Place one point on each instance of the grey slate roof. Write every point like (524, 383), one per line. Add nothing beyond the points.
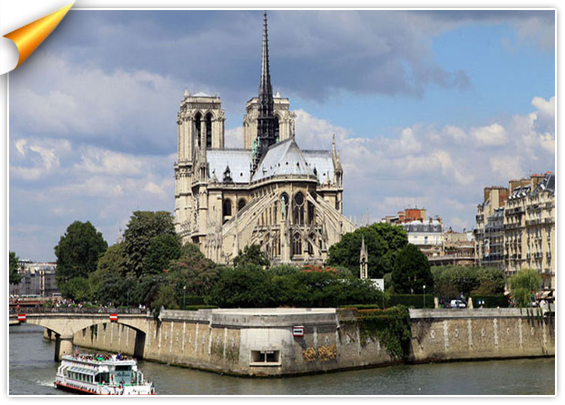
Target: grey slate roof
(237, 159)
(283, 158)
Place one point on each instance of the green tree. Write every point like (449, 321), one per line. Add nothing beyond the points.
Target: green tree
(251, 255)
(383, 243)
(524, 285)
(141, 229)
(192, 274)
(244, 286)
(77, 254)
(492, 281)
(411, 271)
(14, 276)
(111, 269)
(162, 249)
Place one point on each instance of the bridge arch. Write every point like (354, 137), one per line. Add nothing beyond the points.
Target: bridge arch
(65, 326)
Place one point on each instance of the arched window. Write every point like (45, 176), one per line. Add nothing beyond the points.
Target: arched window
(277, 132)
(208, 131)
(298, 209)
(227, 208)
(198, 128)
(296, 245)
(240, 204)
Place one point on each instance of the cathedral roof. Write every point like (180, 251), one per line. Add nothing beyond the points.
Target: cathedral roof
(321, 163)
(237, 159)
(283, 158)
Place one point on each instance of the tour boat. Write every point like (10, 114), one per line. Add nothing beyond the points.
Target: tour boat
(102, 375)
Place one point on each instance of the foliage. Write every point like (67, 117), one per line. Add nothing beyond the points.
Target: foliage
(77, 257)
(251, 255)
(142, 228)
(383, 242)
(164, 299)
(492, 281)
(411, 271)
(14, 276)
(137, 270)
(192, 275)
(410, 300)
(162, 249)
(251, 286)
(524, 285)
(390, 326)
(244, 286)
(451, 281)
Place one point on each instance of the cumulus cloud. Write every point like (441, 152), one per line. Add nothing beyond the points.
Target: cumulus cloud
(37, 159)
(492, 135)
(124, 109)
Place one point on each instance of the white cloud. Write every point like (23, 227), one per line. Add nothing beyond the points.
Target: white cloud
(96, 160)
(507, 167)
(88, 103)
(37, 158)
(492, 135)
(315, 133)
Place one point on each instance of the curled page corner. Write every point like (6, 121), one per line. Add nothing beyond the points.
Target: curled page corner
(30, 36)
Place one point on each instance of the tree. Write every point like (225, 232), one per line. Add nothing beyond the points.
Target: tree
(192, 274)
(383, 243)
(162, 249)
(251, 255)
(411, 271)
(77, 254)
(141, 229)
(14, 276)
(245, 286)
(451, 281)
(524, 285)
(492, 281)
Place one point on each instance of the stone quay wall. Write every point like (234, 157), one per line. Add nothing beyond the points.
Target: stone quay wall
(260, 342)
(451, 334)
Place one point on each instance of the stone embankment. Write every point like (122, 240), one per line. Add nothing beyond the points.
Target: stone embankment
(277, 342)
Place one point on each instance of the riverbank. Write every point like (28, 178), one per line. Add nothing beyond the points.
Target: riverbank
(32, 371)
(286, 342)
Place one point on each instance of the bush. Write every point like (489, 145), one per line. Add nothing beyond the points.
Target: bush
(410, 300)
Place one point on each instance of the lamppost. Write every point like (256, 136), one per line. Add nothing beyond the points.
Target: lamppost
(183, 297)
(424, 296)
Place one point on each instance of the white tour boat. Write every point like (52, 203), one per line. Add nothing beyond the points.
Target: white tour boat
(102, 375)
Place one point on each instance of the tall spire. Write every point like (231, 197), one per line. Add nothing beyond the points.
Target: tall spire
(266, 135)
(265, 88)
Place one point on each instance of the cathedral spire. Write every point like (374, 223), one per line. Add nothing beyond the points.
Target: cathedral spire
(265, 88)
(266, 133)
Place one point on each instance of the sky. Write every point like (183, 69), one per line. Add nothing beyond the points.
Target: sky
(428, 107)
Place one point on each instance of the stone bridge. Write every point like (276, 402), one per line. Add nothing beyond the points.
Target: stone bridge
(65, 324)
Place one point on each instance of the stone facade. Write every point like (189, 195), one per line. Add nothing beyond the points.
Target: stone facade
(516, 227)
(270, 193)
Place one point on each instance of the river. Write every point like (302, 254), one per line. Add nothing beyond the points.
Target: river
(32, 372)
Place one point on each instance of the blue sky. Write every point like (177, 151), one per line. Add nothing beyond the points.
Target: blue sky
(428, 107)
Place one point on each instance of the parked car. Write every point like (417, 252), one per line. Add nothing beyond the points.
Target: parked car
(457, 304)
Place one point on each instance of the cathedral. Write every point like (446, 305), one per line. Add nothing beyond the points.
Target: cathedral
(270, 192)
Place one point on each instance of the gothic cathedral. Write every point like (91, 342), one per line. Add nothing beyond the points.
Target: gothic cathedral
(270, 193)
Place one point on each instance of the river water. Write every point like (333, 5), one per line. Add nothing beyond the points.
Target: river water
(32, 372)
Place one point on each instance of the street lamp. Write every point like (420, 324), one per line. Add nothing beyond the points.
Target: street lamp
(184, 297)
(424, 296)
